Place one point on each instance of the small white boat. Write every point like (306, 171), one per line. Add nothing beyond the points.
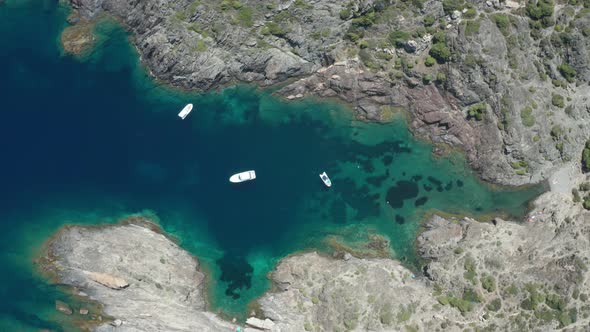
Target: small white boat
(326, 179)
(185, 111)
(244, 176)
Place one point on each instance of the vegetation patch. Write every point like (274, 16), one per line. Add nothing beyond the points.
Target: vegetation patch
(488, 283)
(477, 111)
(527, 117)
(449, 6)
(440, 52)
(502, 22)
(557, 100)
(568, 72)
(494, 305)
(472, 27)
(586, 157)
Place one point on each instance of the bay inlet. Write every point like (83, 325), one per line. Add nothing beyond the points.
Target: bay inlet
(88, 141)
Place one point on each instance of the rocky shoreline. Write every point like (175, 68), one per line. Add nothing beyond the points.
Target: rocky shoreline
(508, 88)
(499, 275)
(504, 81)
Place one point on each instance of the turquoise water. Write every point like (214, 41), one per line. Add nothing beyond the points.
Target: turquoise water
(93, 140)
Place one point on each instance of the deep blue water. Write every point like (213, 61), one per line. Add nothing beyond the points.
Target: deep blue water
(87, 141)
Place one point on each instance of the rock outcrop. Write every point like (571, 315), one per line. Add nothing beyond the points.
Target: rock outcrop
(145, 281)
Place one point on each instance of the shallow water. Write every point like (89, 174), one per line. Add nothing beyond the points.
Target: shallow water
(90, 141)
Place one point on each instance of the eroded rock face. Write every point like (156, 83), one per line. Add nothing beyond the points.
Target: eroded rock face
(145, 281)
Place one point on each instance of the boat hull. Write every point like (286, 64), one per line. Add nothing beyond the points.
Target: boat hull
(242, 177)
(326, 179)
(185, 111)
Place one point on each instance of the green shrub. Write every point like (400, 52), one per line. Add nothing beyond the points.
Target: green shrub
(557, 100)
(353, 36)
(363, 43)
(201, 46)
(426, 79)
(555, 302)
(429, 20)
(364, 21)
(385, 314)
(302, 4)
(512, 290)
(429, 61)
(472, 295)
(559, 83)
(527, 117)
(556, 132)
(345, 13)
(276, 29)
(472, 27)
(586, 157)
(564, 319)
(451, 5)
(535, 298)
(439, 37)
(586, 203)
(502, 22)
(440, 52)
(470, 13)
(471, 276)
(245, 17)
(576, 195)
(567, 71)
(477, 111)
(398, 38)
(488, 283)
(405, 313)
(469, 264)
(494, 305)
(441, 77)
(539, 9)
(462, 305)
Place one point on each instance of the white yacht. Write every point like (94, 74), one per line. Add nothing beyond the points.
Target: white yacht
(244, 176)
(326, 179)
(185, 111)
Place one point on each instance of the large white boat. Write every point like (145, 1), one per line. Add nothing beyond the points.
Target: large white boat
(185, 111)
(244, 176)
(326, 179)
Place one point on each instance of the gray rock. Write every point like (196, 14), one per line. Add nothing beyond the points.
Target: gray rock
(153, 301)
(63, 307)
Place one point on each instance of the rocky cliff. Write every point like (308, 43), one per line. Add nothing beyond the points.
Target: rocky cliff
(506, 81)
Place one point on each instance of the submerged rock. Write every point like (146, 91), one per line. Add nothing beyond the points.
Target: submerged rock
(63, 307)
(77, 39)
